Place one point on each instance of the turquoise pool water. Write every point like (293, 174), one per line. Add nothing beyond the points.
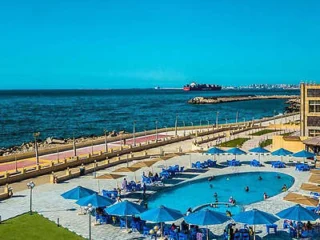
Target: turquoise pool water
(199, 192)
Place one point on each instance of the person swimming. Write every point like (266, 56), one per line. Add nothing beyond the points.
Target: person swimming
(260, 178)
(210, 178)
(247, 189)
(228, 213)
(265, 196)
(284, 188)
(278, 176)
(211, 186)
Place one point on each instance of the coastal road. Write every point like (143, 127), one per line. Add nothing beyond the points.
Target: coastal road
(80, 151)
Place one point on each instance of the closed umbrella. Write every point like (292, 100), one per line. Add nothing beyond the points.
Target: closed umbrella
(95, 200)
(77, 193)
(124, 209)
(236, 151)
(259, 150)
(206, 217)
(255, 217)
(160, 215)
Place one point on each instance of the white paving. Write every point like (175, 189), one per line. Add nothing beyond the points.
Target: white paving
(48, 202)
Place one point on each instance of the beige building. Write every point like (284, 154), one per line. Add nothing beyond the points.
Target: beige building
(310, 110)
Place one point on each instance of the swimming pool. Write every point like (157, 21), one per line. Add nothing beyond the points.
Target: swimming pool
(199, 192)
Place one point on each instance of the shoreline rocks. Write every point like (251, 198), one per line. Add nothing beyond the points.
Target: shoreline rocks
(51, 142)
(216, 100)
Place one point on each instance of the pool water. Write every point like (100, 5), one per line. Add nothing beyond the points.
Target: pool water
(199, 192)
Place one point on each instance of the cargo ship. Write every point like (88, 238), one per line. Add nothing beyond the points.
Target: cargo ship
(201, 87)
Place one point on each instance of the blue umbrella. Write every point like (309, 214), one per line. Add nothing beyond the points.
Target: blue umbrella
(161, 214)
(215, 151)
(259, 150)
(77, 193)
(125, 208)
(95, 200)
(255, 217)
(281, 152)
(236, 151)
(298, 213)
(206, 217)
(304, 154)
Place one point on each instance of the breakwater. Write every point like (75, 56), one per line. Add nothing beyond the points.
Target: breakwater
(226, 99)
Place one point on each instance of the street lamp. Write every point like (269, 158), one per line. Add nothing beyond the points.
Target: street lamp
(208, 122)
(237, 115)
(89, 209)
(200, 123)
(74, 147)
(106, 140)
(35, 135)
(217, 119)
(134, 133)
(176, 126)
(156, 130)
(31, 185)
(184, 128)
(192, 127)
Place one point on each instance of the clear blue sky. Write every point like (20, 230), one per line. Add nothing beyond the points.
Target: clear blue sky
(119, 44)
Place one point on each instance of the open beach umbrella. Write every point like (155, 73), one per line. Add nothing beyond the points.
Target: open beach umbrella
(298, 213)
(77, 193)
(304, 154)
(206, 217)
(259, 150)
(109, 176)
(236, 151)
(301, 199)
(124, 209)
(255, 217)
(161, 214)
(128, 169)
(95, 200)
(214, 151)
(281, 152)
(145, 164)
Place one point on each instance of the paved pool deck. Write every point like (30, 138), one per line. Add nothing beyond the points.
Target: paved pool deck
(48, 202)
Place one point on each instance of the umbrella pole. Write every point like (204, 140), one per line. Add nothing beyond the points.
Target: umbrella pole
(254, 232)
(207, 233)
(127, 223)
(161, 230)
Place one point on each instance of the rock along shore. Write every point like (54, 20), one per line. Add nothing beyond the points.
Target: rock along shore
(216, 100)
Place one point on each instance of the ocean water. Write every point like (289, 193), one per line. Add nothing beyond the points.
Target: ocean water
(64, 113)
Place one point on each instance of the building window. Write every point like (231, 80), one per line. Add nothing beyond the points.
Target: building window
(313, 121)
(314, 132)
(314, 106)
(313, 92)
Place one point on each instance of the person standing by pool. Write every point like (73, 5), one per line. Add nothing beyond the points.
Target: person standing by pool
(265, 196)
(124, 184)
(144, 190)
(284, 188)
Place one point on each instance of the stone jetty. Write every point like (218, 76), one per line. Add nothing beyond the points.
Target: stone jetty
(226, 99)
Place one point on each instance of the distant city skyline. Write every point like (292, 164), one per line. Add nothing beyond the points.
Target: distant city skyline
(142, 44)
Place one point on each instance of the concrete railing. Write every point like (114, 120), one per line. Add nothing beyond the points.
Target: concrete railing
(101, 140)
(31, 172)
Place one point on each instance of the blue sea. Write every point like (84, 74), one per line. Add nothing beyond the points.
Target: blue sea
(64, 113)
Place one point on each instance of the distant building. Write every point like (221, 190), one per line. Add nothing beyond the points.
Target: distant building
(310, 110)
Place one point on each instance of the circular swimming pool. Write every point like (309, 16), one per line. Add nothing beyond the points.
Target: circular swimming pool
(199, 192)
